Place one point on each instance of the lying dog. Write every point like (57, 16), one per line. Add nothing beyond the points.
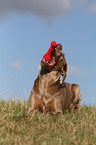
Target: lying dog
(48, 95)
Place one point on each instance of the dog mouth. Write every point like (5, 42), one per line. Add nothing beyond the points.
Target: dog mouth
(52, 60)
(51, 57)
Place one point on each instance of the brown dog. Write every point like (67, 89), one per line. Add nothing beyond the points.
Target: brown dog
(47, 93)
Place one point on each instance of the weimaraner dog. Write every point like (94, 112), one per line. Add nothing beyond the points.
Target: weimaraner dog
(49, 94)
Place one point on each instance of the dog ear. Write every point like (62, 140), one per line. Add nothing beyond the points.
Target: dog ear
(66, 67)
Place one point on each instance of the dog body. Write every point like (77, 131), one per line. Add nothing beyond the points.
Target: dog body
(48, 95)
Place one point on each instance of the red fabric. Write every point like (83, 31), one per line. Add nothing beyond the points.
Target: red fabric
(47, 56)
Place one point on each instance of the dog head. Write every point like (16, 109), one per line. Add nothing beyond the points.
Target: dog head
(57, 60)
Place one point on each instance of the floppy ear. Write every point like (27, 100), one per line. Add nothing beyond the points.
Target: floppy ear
(64, 72)
(66, 67)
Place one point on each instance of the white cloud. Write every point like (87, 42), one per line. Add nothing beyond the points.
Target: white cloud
(84, 1)
(17, 65)
(90, 5)
(73, 70)
(45, 8)
(93, 7)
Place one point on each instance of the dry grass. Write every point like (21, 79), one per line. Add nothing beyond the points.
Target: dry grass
(74, 128)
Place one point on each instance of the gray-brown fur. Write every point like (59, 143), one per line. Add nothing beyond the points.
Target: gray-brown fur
(48, 94)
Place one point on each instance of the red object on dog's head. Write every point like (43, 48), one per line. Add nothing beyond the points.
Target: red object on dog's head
(47, 56)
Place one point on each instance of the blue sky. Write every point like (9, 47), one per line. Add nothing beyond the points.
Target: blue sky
(26, 31)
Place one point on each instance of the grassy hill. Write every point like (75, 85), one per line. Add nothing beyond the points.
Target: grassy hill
(74, 128)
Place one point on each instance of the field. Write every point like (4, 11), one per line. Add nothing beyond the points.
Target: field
(72, 128)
